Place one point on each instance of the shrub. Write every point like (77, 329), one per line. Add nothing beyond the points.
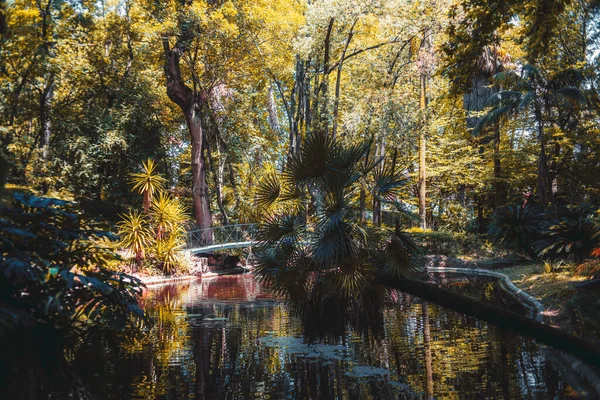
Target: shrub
(569, 239)
(54, 272)
(451, 244)
(517, 227)
(158, 234)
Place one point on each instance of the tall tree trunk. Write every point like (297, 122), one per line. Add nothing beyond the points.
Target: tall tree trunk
(217, 174)
(322, 117)
(272, 108)
(339, 79)
(46, 125)
(379, 152)
(499, 186)
(363, 206)
(542, 159)
(422, 154)
(45, 122)
(191, 104)
(199, 185)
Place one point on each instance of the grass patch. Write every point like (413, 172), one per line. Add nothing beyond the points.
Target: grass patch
(575, 311)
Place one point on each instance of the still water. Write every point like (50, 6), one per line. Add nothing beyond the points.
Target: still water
(227, 338)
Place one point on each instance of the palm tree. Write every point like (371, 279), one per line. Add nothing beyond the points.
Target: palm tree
(328, 266)
(147, 182)
(533, 93)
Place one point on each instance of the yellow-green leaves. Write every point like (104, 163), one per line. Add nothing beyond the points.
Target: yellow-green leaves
(147, 182)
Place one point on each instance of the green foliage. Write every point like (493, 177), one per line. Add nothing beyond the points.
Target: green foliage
(156, 236)
(569, 240)
(166, 253)
(134, 233)
(53, 272)
(147, 182)
(451, 244)
(517, 227)
(333, 262)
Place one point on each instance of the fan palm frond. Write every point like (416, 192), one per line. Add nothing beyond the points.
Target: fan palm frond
(311, 163)
(573, 95)
(269, 189)
(492, 117)
(387, 183)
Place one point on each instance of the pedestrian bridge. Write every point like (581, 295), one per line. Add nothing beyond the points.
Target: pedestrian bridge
(221, 238)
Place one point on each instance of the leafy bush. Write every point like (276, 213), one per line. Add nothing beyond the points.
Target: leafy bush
(569, 239)
(517, 227)
(451, 244)
(53, 272)
(455, 218)
(156, 235)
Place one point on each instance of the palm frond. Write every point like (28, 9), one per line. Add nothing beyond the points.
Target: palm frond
(509, 79)
(312, 161)
(492, 117)
(268, 190)
(387, 184)
(573, 95)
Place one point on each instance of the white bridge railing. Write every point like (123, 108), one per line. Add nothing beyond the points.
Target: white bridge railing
(221, 237)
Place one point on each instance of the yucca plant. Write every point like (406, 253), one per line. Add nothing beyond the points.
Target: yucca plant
(135, 234)
(166, 253)
(167, 215)
(148, 182)
(328, 268)
(517, 227)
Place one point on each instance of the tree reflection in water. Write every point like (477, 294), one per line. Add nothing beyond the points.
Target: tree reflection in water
(227, 338)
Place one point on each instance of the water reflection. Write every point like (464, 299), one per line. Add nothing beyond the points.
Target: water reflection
(226, 338)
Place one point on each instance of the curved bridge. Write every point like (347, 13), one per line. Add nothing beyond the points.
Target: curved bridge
(221, 238)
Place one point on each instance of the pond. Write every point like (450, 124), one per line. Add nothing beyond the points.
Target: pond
(228, 338)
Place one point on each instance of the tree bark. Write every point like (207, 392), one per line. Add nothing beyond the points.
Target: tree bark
(422, 154)
(339, 79)
(542, 159)
(322, 117)
(45, 122)
(191, 104)
(363, 206)
(499, 185)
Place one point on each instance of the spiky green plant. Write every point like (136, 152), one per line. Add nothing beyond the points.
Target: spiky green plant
(570, 239)
(166, 253)
(148, 182)
(167, 215)
(517, 227)
(329, 267)
(135, 234)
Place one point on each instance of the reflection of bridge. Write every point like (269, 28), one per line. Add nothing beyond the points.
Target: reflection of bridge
(221, 238)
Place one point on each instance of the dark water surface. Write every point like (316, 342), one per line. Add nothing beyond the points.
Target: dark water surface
(227, 338)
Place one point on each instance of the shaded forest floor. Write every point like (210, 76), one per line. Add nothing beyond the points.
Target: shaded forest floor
(575, 311)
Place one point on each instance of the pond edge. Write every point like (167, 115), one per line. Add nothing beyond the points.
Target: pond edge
(589, 375)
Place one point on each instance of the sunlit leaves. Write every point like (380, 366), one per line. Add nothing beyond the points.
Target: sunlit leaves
(134, 233)
(147, 182)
